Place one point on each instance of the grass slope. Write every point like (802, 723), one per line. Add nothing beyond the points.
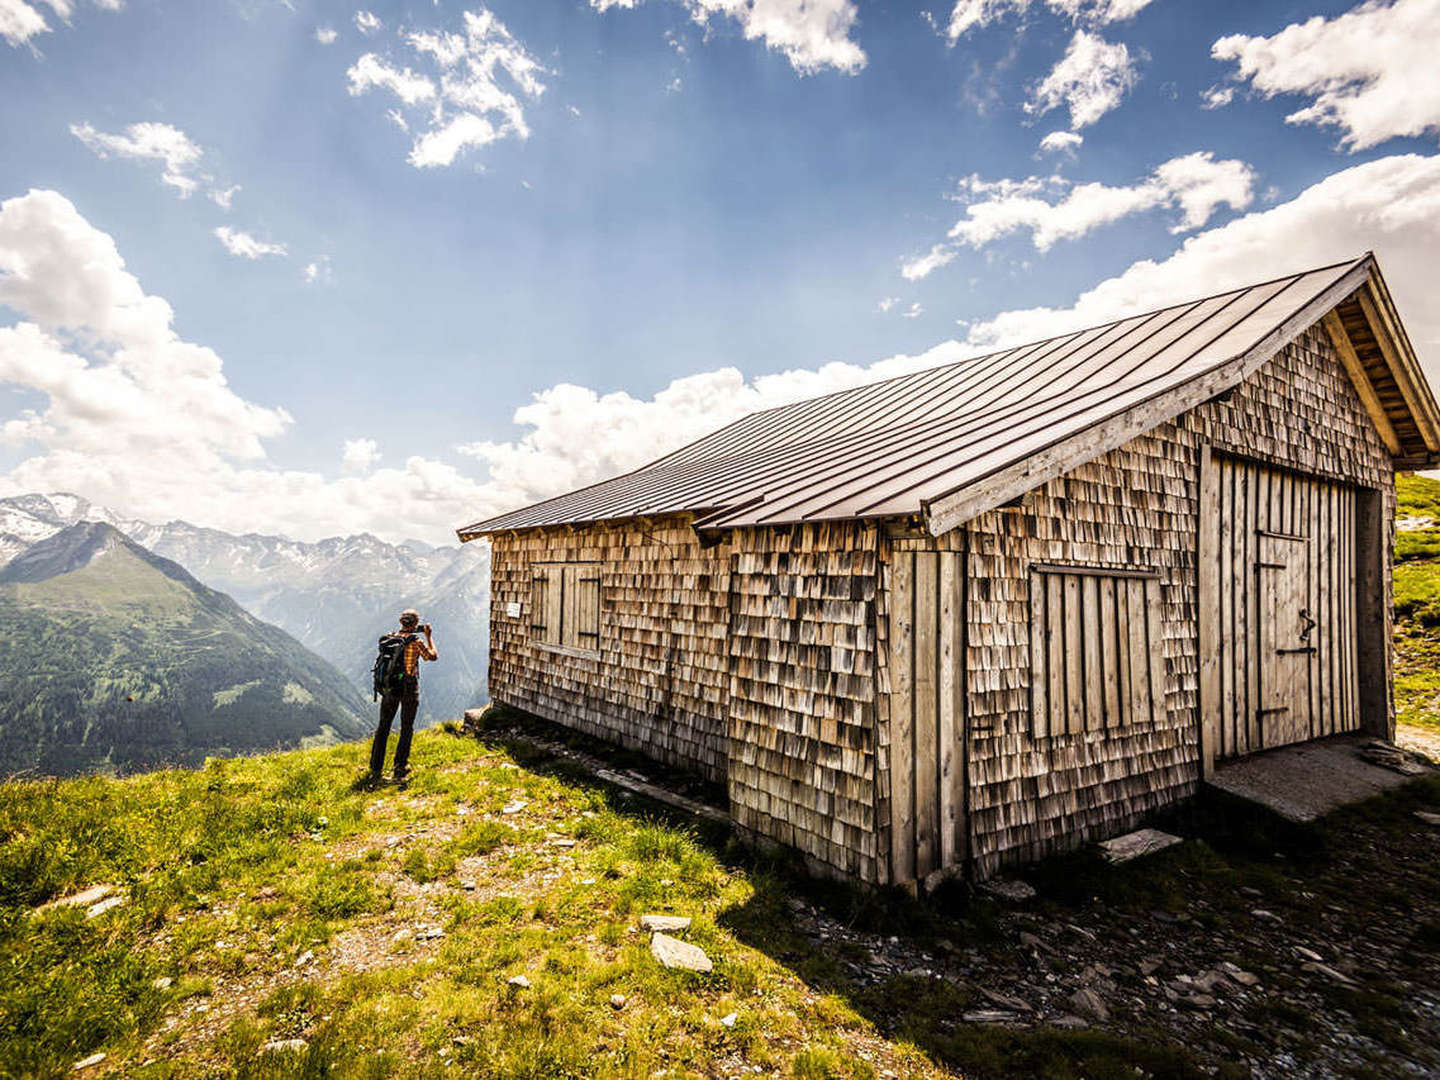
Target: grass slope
(1417, 603)
(116, 659)
(276, 900)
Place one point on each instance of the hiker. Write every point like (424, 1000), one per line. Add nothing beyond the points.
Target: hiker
(397, 685)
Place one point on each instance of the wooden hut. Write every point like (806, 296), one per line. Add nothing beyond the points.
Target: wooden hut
(991, 610)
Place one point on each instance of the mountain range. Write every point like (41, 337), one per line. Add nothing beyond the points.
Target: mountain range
(336, 596)
(115, 658)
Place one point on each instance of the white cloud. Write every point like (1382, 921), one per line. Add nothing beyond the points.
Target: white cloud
(1062, 142)
(326, 35)
(1217, 97)
(888, 302)
(475, 96)
(150, 141)
(245, 246)
(367, 22)
(1090, 79)
(318, 272)
(1391, 206)
(21, 21)
(969, 14)
(920, 266)
(359, 455)
(1053, 208)
(812, 34)
(137, 418)
(370, 71)
(914, 311)
(223, 197)
(1370, 71)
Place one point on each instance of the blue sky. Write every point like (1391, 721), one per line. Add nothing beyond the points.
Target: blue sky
(670, 189)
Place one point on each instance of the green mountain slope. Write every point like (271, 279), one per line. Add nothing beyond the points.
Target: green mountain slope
(114, 658)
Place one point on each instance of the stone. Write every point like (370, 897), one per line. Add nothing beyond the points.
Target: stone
(519, 981)
(430, 933)
(1009, 889)
(1427, 817)
(513, 807)
(1135, 845)
(85, 1063)
(562, 842)
(728, 1020)
(164, 982)
(96, 910)
(402, 935)
(1197, 1001)
(304, 958)
(1086, 1002)
(1151, 964)
(1006, 1001)
(617, 1001)
(1210, 981)
(1030, 941)
(667, 924)
(989, 1016)
(674, 953)
(1330, 973)
(1308, 954)
(86, 898)
(1268, 916)
(283, 1046)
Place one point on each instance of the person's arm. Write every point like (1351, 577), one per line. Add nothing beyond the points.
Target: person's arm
(427, 647)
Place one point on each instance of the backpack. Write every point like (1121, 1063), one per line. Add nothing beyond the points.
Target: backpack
(389, 668)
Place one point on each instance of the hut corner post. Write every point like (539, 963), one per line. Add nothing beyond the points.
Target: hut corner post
(1374, 565)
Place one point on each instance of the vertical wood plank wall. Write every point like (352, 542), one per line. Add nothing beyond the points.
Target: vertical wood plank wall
(927, 793)
(1285, 543)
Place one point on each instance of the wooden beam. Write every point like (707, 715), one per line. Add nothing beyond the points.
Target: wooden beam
(1356, 370)
(963, 504)
(1392, 347)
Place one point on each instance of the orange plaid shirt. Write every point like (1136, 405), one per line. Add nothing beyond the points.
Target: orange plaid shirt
(415, 648)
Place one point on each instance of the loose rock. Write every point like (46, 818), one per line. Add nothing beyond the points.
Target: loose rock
(85, 1063)
(1009, 889)
(1088, 1003)
(617, 1001)
(520, 981)
(665, 923)
(674, 953)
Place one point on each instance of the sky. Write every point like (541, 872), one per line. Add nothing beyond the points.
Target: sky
(311, 269)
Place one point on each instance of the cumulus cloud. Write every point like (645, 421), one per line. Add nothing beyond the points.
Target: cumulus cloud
(318, 272)
(326, 35)
(359, 455)
(150, 141)
(1370, 72)
(1091, 79)
(243, 245)
(812, 34)
(367, 22)
(970, 14)
(1062, 142)
(224, 197)
(1053, 208)
(136, 417)
(1391, 206)
(887, 302)
(474, 95)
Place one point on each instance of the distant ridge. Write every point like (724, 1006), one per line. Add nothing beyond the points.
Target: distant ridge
(117, 659)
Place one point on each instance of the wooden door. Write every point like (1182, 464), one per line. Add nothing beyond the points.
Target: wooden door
(1277, 592)
(1286, 626)
(927, 729)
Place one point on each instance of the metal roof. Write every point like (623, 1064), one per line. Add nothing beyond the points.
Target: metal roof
(893, 447)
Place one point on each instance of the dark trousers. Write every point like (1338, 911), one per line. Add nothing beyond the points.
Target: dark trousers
(407, 705)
